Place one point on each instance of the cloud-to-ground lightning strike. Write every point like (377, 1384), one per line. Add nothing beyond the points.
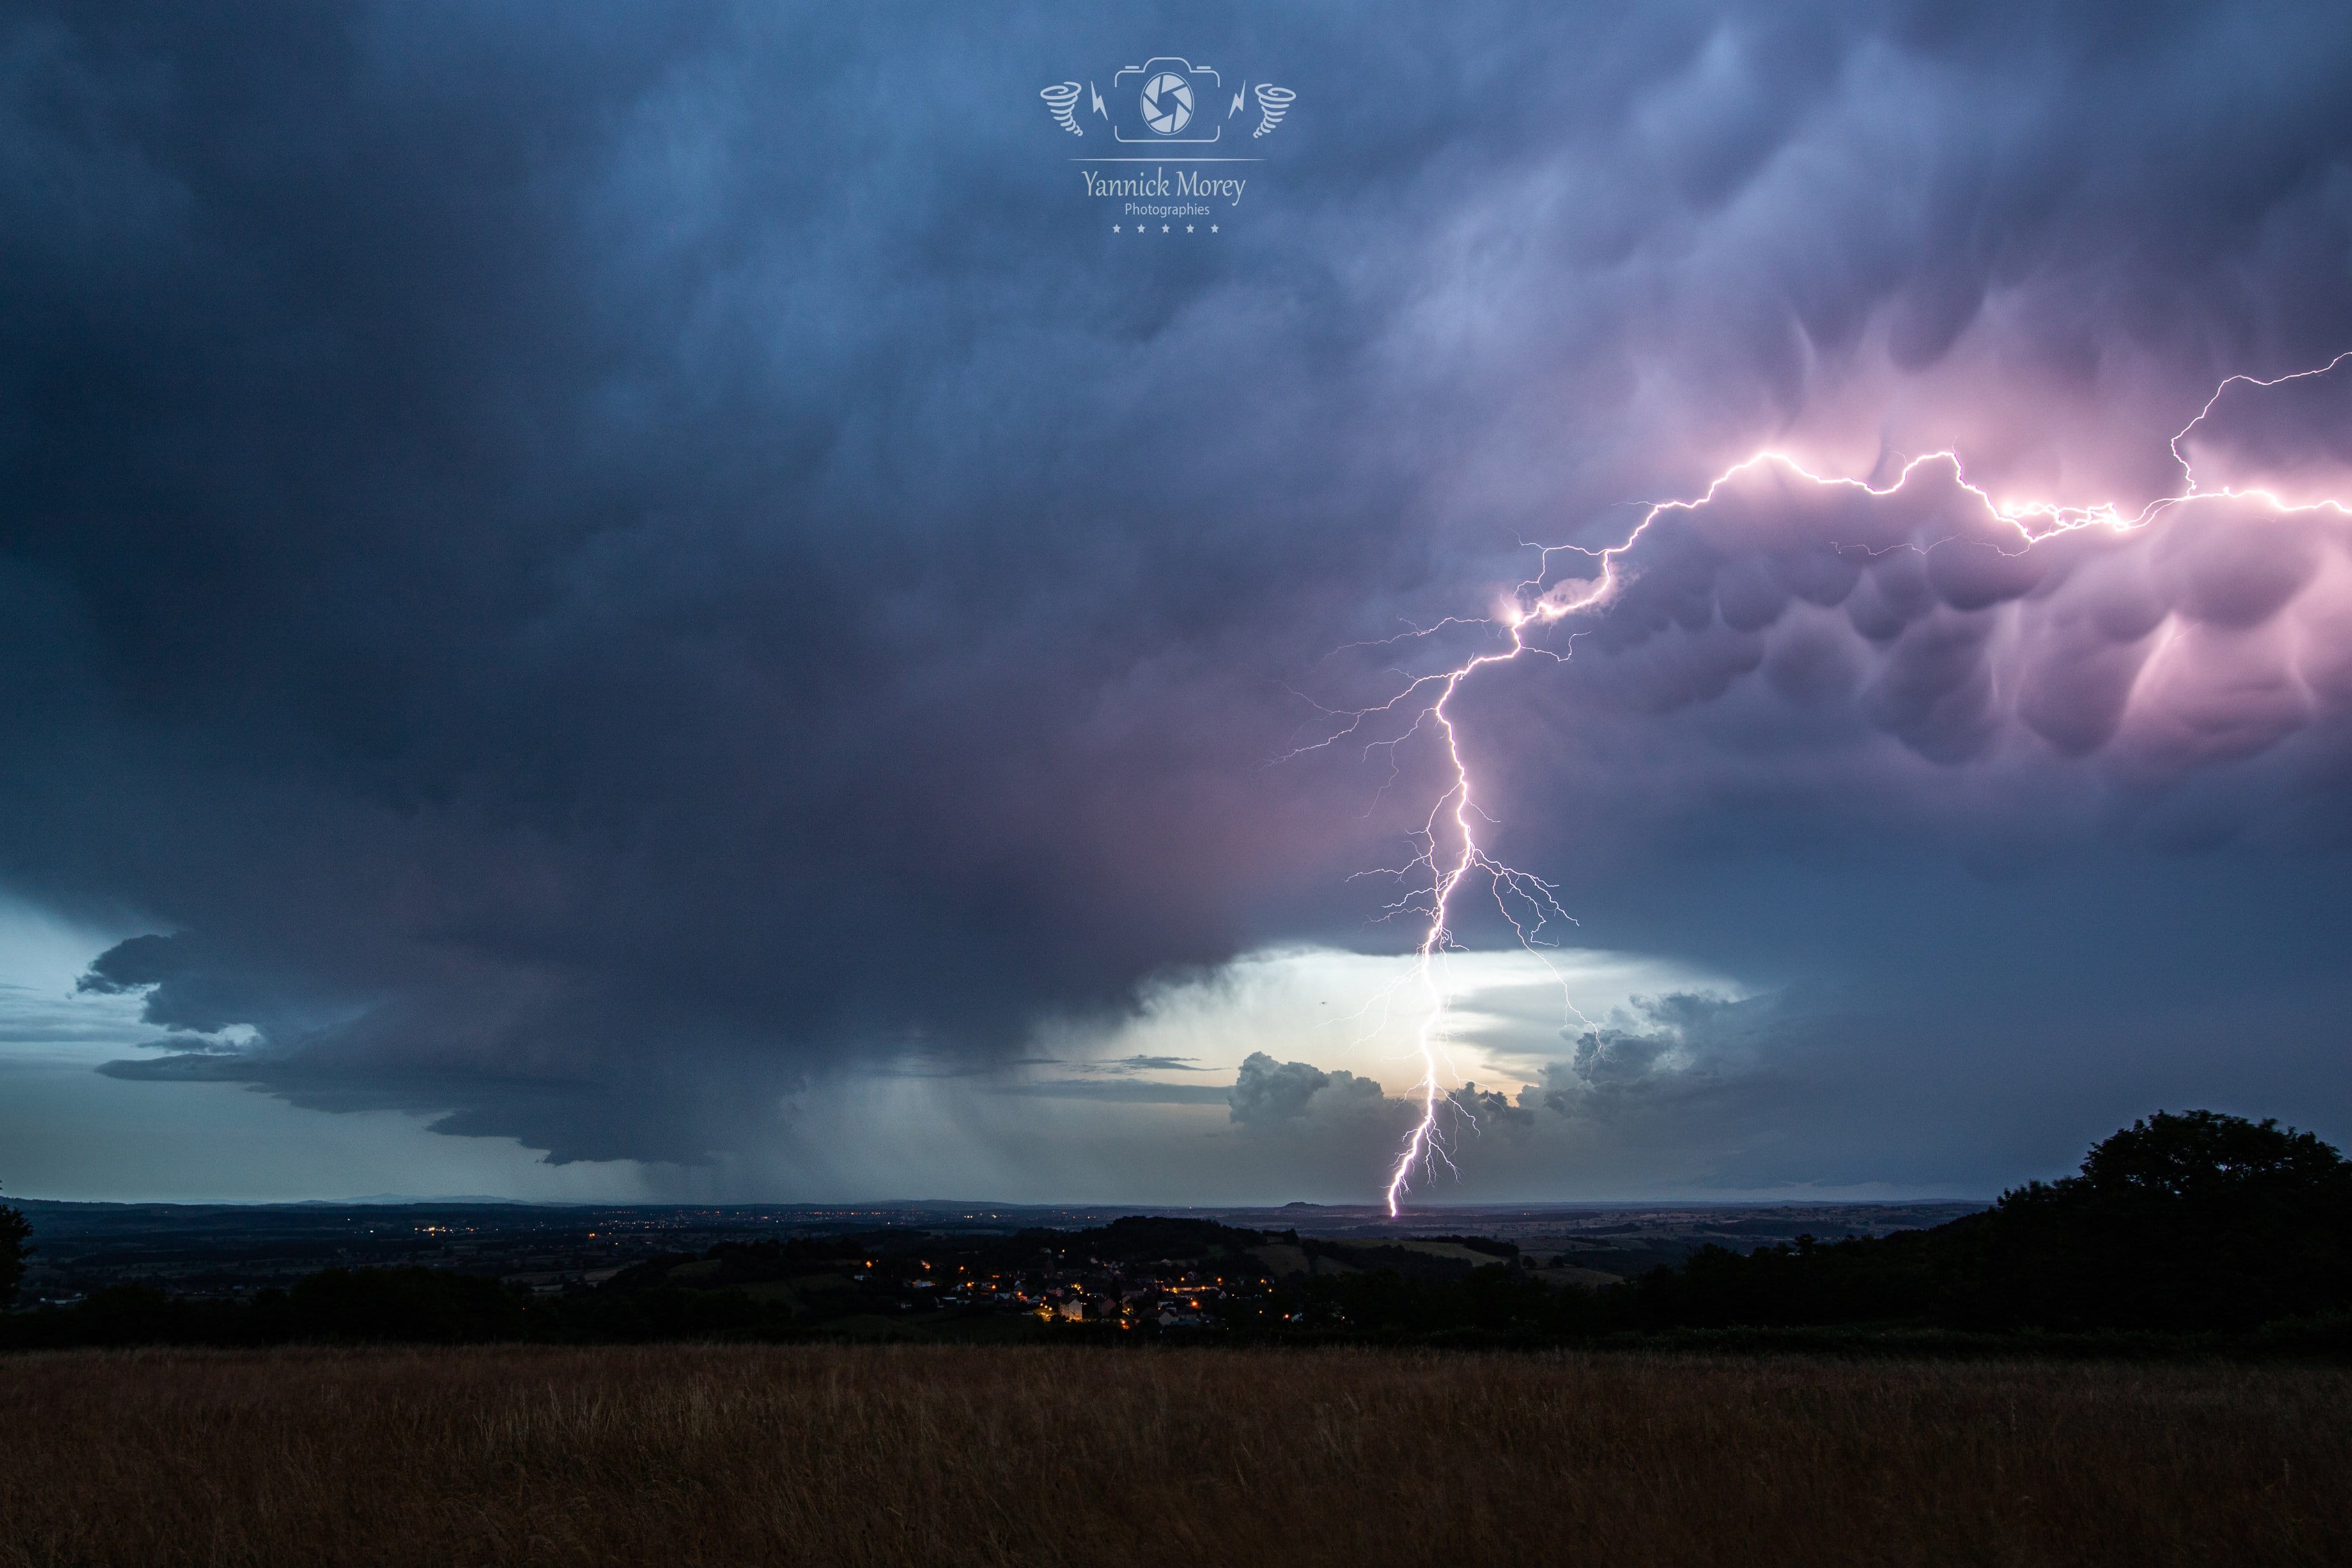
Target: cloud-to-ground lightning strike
(1528, 901)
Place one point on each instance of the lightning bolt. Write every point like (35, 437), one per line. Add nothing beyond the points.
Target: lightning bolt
(1097, 97)
(1449, 855)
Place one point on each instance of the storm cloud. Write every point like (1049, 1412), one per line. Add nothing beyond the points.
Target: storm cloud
(584, 573)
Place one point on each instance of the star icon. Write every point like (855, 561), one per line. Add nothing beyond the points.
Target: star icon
(1114, 228)
(1213, 228)
(1187, 228)
(1164, 228)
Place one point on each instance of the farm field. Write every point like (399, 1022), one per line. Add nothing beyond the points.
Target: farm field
(689, 1455)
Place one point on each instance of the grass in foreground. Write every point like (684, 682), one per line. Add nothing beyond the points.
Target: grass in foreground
(726, 1455)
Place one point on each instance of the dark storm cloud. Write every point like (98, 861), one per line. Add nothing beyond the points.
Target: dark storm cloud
(577, 569)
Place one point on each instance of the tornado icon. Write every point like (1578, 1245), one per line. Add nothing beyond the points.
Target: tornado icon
(1272, 101)
(1062, 99)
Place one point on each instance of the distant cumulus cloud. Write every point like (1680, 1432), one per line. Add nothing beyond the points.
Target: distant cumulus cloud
(1660, 1045)
(1489, 1107)
(1269, 1093)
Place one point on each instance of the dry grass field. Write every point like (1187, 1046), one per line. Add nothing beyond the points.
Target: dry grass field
(686, 1455)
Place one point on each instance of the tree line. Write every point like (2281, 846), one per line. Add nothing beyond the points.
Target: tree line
(2194, 1223)
(2197, 1226)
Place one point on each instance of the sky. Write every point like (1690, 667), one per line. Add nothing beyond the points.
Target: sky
(617, 604)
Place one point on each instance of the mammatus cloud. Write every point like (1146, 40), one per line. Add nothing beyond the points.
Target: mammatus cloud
(585, 579)
(2208, 634)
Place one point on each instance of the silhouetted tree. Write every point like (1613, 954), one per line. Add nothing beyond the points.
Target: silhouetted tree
(15, 1230)
(2189, 1221)
(2194, 1222)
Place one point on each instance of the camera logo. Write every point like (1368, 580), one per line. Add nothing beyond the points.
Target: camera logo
(1164, 93)
(1166, 101)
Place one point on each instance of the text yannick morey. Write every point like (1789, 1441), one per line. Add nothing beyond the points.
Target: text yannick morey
(1188, 186)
